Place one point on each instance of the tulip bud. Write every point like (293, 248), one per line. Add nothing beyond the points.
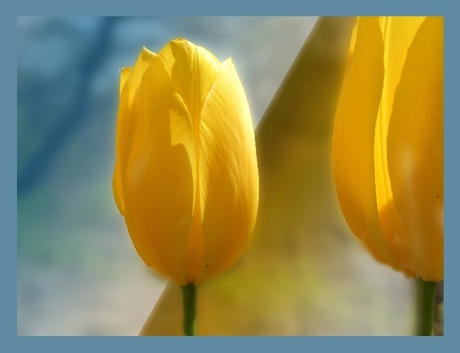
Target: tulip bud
(388, 142)
(185, 178)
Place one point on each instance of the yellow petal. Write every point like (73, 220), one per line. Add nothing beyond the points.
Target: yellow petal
(352, 44)
(156, 156)
(229, 180)
(398, 34)
(415, 154)
(353, 139)
(124, 74)
(193, 70)
(117, 189)
(126, 124)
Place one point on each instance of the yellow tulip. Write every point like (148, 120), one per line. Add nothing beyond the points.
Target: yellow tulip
(185, 178)
(388, 142)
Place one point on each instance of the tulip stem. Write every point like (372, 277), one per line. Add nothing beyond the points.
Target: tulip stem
(189, 300)
(425, 293)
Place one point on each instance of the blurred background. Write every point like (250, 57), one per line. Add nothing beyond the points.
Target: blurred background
(77, 271)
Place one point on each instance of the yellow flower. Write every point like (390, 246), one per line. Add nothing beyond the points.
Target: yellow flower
(388, 142)
(185, 177)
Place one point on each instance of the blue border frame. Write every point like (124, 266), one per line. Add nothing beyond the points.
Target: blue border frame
(8, 145)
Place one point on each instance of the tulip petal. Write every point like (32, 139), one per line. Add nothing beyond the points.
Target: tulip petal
(396, 47)
(157, 159)
(126, 124)
(353, 139)
(124, 74)
(193, 70)
(229, 180)
(117, 189)
(395, 51)
(415, 153)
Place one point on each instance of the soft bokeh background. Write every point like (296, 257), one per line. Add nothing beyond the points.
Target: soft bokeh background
(78, 273)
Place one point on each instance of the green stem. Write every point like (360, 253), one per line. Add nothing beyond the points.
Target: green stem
(425, 292)
(189, 299)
